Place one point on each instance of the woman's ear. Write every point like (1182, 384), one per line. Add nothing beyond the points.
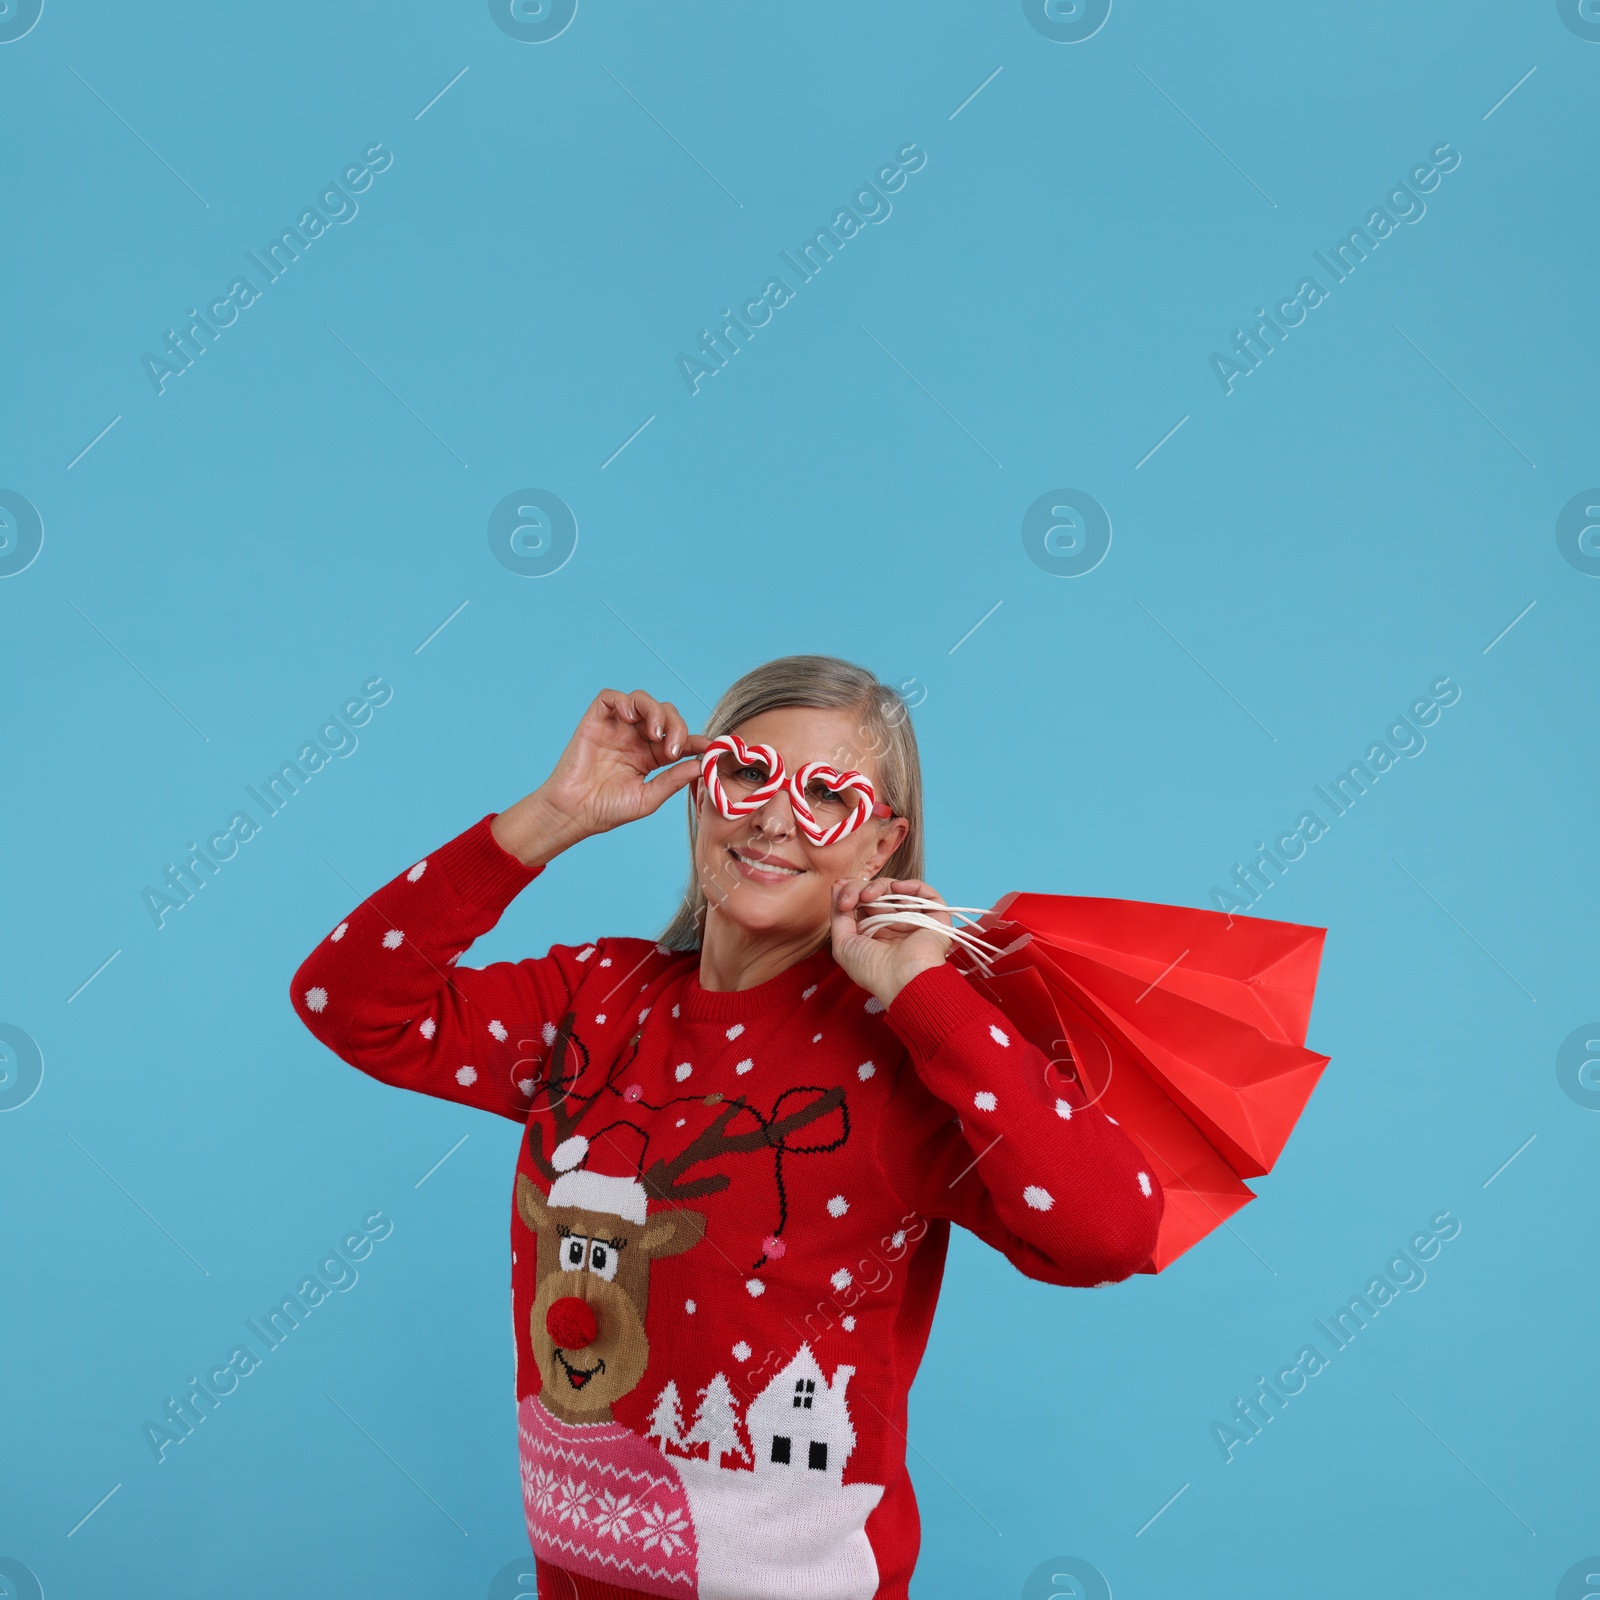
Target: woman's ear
(889, 841)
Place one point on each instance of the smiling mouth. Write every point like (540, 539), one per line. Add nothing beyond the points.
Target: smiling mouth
(763, 869)
(576, 1376)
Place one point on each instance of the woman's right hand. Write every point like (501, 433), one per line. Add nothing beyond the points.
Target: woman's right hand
(599, 782)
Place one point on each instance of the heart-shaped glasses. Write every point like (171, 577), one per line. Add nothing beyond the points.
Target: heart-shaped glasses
(732, 772)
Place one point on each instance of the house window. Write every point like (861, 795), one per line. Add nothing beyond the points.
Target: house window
(819, 1455)
(780, 1449)
(804, 1389)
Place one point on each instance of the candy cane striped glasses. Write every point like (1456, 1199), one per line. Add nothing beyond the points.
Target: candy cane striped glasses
(829, 805)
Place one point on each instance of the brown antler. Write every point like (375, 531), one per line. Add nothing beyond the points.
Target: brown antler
(566, 1108)
(661, 1180)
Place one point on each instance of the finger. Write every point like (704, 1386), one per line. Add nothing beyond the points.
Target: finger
(927, 892)
(649, 709)
(628, 733)
(904, 886)
(663, 751)
(639, 713)
(675, 729)
(842, 924)
(668, 782)
(656, 722)
(918, 887)
(614, 703)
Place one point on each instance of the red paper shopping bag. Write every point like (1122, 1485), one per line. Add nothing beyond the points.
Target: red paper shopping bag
(1188, 1027)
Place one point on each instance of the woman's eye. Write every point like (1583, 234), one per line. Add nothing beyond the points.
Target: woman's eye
(751, 774)
(573, 1250)
(602, 1260)
(819, 794)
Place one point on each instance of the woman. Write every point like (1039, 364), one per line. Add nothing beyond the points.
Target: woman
(745, 1142)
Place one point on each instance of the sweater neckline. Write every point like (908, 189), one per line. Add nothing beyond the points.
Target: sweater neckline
(736, 1005)
(547, 1419)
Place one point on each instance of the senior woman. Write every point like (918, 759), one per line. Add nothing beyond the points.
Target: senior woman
(745, 1142)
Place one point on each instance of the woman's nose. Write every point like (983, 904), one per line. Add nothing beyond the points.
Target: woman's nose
(571, 1323)
(776, 818)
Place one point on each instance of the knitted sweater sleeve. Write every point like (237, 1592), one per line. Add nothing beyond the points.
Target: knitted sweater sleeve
(981, 1137)
(383, 990)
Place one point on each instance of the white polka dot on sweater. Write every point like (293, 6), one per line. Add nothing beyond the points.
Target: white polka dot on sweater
(674, 1011)
(605, 961)
(1104, 1283)
(585, 953)
(741, 1351)
(645, 1013)
(744, 1066)
(339, 932)
(427, 1027)
(417, 871)
(735, 1030)
(897, 1239)
(848, 1324)
(682, 1071)
(842, 1279)
(1064, 1110)
(466, 1076)
(689, 1306)
(393, 939)
(816, 1038)
(600, 1021)
(999, 1034)
(865, 1070)
(756, 1287)
(316, 998)
(838, 1206)
(874, 1005)
(1039, 1199)
(548, 1033)
(498, 1029)
(1144, 1184)
(526, 1086)
(984, 1100)
(806, 994)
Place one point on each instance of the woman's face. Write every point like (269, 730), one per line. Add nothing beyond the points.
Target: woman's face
(760, 872)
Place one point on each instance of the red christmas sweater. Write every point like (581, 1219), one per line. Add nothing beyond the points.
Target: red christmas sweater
(729, 1222)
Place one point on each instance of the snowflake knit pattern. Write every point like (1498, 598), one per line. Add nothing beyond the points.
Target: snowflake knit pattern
(599, 1498)
(729, 1222)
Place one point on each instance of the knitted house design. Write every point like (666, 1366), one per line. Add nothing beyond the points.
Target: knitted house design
(800, 1423)
(787, 1527)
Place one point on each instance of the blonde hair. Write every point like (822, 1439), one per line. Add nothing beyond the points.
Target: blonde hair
(823, 683)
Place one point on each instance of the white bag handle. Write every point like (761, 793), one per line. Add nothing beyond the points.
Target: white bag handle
(917, 911)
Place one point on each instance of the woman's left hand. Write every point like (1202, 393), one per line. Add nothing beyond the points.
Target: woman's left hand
(883, 963)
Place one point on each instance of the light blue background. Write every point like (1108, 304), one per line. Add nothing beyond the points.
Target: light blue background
(276, 528)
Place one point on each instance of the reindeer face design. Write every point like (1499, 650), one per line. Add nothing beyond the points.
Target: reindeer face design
(598, 1235)
(596, 1244)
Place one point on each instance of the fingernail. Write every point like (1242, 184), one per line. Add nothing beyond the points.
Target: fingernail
(672, 749)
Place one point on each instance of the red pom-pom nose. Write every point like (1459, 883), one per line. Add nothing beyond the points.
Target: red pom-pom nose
(570, 1322)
